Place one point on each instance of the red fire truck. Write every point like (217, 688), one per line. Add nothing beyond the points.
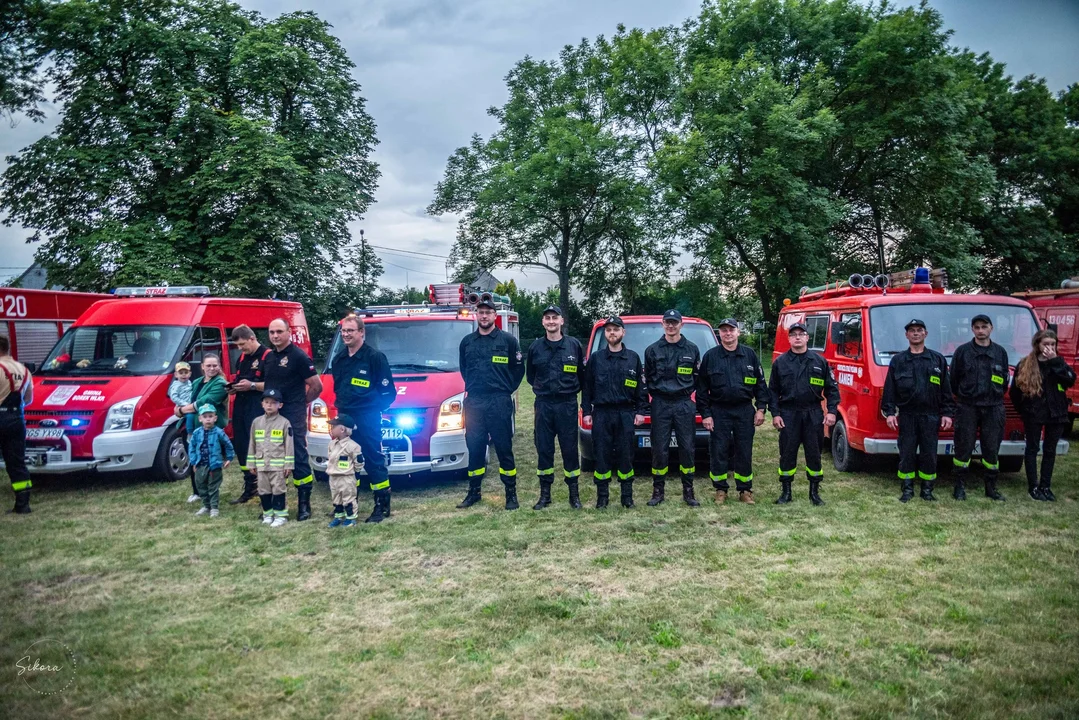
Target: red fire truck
(424, 429)
(1059, 309)
(858, 326)
(35, 319)
(101, 396)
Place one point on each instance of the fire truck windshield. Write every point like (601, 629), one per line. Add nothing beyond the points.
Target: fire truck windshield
(948, 326)
(413, 345)
(115, 350)
(639, 335)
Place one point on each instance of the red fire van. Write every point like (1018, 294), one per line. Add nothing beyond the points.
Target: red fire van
(1059, 309)
(35, 319)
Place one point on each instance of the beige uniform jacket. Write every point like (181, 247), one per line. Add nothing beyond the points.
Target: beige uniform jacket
(344, 457)
(271, 446)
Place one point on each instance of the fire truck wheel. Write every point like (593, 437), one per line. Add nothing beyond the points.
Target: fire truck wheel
(844, 457)
(1011, 463)
(172, 461)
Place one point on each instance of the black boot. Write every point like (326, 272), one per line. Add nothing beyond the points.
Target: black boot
(627, 493)
(545, 494)
(687, 493)
(22, 503)
(959, 492)
(574, 495)
(382, 507)
(927, 491)
(303, 505)
(250, 483)
(603, 493)
(657, 493)
(814, 492)
(785, 494)
(473, 495)
(908, 490)
(511, 494)
(1044, 492)
(991, 491)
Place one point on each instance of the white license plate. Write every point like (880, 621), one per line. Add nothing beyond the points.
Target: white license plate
(392, 433)
(646, 441)
(44, 433)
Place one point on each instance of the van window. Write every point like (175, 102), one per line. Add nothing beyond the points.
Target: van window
(261, 334)
(851, 324)
(817, 325)
(115, 350)
(203, 340)
(948, 326)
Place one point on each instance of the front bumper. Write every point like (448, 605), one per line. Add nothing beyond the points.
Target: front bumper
(448, 452)
(113, 452)
(875, 446)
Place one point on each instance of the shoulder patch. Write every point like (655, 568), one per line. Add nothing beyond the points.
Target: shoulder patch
(385, 382)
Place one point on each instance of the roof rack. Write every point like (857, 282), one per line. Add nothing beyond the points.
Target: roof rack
(162, 291)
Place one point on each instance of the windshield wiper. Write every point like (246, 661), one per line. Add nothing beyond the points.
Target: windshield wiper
(110, 370)
(418, 366)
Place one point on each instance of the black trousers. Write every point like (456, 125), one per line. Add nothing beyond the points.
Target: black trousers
(301, 473)
(730, 446)
(368, 435)
(679, 415)
(801, 428)
(918, 435)
(612, 442)
(13, 448)
(557, 419)
(489, 419)
(1034, 430)
(244, 412)
(971, 422)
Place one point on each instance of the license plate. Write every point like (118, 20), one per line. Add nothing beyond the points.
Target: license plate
(646, 441)
(949, 448)
(392, 433)
(44, 433)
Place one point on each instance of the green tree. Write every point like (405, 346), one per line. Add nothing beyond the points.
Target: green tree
(20, 83)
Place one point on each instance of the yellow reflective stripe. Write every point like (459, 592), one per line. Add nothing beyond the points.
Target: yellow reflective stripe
(749, 380)
(350, 517)
(303, 481)
(280, 513)
(19, 486)
(548, 471)
(500, 360)
(1060, 387)
(631, 383)
(816, 381)
(934, 379)
(277, 433)
(573, 473)
(999, 380)
(360, 382)
(603, 476)
(475, 473)
(685, 371)
(926, 476)
(905, 476)
(990, 466)
(624, 476)
(569, 368)
(382, 485)
(289, 458)
(244, 468)
(508, 473)
(687, 470)
(814, 473)
(959, 463)
(659, 471)
(259, 434)
(338, 514)
(743, 478)
(787, 473)
(716, 477)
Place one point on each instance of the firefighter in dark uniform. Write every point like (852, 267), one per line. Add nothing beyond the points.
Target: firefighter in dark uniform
(730, 379)
(918, 402)
(492, 369)
(289, 370)
(552, 371)
(16, 389)
(979, 375)
(247, 402)
(614, 399)
(670, 367)
(363, 384)
(800, 380)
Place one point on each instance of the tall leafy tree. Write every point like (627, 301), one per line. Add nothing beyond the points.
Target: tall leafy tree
(20, 82)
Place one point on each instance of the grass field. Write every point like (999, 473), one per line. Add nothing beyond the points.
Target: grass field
(862, 608)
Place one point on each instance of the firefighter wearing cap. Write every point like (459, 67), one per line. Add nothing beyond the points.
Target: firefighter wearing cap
(492, 368)
(614, 399)
(917, 401)
(345, 460)
(363, 383)
(979, 375)
(271, 453)
(670, 367)
(247, 402)
(730, 379)
(800, 381)
(16, 389)
(552, 371)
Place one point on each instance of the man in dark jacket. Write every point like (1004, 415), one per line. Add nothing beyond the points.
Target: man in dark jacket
(979, 375)
(553, 361)
(729, 380)
(247, 402)
(800, 381)
(918, 403)
(614, 399)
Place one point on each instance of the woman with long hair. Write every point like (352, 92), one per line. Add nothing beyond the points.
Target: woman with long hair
(1039, 394)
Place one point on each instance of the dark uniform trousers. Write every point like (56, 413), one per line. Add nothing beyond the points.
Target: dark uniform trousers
(679, 414)
(244, 412)
(368, 435)
(612, 442)
(1033, 430)
(730, 446)
(489, 418)
(13, 447)
(918, 435)
(972, 421)
(557, 418)
(301, 473)
(801, 428)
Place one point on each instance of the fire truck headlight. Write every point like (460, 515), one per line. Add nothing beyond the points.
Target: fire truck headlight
(319, 421)
(451, 416)
(121, 416)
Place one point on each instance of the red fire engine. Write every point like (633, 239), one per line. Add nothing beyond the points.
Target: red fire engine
(35, 319)
(1059, 310)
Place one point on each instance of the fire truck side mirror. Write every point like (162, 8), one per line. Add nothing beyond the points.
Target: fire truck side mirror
(839, 333)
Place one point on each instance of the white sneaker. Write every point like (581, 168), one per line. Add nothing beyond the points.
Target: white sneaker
(214, 513)
(267, 519)
(202, 511)
(278, 522)
(193, 498)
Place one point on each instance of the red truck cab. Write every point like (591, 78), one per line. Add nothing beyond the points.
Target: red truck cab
(101, 396)
(858, 326)
(33, 320)
(1059, 309)
(423, 431)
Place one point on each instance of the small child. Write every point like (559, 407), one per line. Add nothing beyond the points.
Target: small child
(270, 455)
(180, 387)
(342, 465)
(211, 452)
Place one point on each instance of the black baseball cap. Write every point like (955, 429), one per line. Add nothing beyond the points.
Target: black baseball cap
(486, 304)
(983, 318)
(915, 322)
(728, 321)
(797, 326)
(273, 394)
(672, 315)
(553, 309)
(614, 320)
(343, 420)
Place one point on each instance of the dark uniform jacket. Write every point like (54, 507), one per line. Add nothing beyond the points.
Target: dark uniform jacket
(671, 368)
(287, 370)
(614, 380)
(553, 368)
(363, 381)
(801, 381)
(1052, 405)
(491, 364)
(252, 368)
(918, 384)
(731, 377)
(979, 374)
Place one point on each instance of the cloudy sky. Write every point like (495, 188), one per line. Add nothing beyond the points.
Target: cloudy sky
(431, 68)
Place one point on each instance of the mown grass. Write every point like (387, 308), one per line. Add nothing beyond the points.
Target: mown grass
(862, 608)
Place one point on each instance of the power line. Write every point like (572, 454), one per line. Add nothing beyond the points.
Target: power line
(409, 252)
